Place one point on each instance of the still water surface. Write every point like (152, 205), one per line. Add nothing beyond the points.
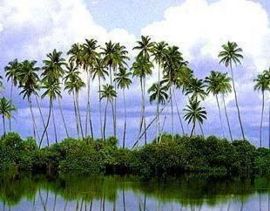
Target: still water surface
(128, 193)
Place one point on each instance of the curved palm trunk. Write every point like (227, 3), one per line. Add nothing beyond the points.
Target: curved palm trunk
(62, 115)
(79, 113)
(47, 124)
(54, 126)
(4, 125)
(236, 103)
(261, 119)
(99, 102)
(227, 117)
(125, 116)
(141, 117)
(158, 120)
(144, 119)
(76, 115)
(42, 119)
(220, 119)
(172, 112)
(105, 120)
(192, 130)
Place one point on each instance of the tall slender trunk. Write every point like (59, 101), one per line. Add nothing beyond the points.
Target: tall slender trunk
(125, 121)
(220, 119)
(261, 119)
(201, 128)
(192, 130)
(76, 114)
(47, 124)
(172, 112)
(105, 120)
(79, 113)
(141, 117)
(227, 117)
(88, 110)
(42, 119)
(35, 133)
(144, 119)
(178, 113)
(113, 112)
(11, 99)
(54, 126)
(236, 103)
(99, 102)
(158, 120)
(4, 125)
(62, 115)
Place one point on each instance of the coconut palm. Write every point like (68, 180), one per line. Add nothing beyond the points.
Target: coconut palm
(159, 55)
(123, 81)
(232, 54)
(53, 71)
(196, 89)
(142, 67)
(28, 80)
(6, 110)
(107, 92)
(158, 93)
(262, 83)
(12, 75)
(99, 71)
(194, 113)
(89, 57)
(214, 86)
(144, 46)
(73, 84)
(173, 62)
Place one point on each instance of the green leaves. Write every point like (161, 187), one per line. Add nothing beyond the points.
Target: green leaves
(194, 112)
(108, 92)
(230, 54)
(6, 108)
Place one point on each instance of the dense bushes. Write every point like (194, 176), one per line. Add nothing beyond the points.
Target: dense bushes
(169, 157)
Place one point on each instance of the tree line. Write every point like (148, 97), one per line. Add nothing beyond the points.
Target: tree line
(109, 65)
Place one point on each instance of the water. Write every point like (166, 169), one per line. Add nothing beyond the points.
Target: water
(129, 193)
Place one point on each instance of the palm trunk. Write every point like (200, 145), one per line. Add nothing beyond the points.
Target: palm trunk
(236, 103)
(33, 120)
(220, 119)
(144, 119)
(105, 120)
(4, 125)
(172, 112)
(47, 124)
(227, 117)
(178, 113)
(88, 111)
(76, 114)
(54, 126)
(141, 117)
(201, 128)
(192, 130)
(42, 119)
(261, 119)
(11, 98)
(99, 101)
(158, 120)
(125, 116)
(113, 113)
(62, 115)
(79, 113)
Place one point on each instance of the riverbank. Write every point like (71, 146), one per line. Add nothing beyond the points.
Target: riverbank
(170, 157)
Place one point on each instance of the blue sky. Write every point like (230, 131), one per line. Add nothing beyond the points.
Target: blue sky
(31, 29)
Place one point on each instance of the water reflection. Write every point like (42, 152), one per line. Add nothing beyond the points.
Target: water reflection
(128, 193)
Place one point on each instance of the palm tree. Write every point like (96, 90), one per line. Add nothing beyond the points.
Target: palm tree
(194, 113)
(196, 89)
(52, 73)
(159, 94)
(142, 67)
(6, 109)
(144, 46)
(73, 83)
(12, 75)
(225, 88)
(231, 54)
(28, 81)
(109, 94)
(262, 84)
(100, 72)
(159, 55)
(123, 82)
(214, 86)
(89, 56)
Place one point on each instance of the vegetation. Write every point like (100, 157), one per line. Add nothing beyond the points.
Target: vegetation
(168, 157)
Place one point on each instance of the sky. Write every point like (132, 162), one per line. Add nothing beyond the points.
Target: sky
(31, 29)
